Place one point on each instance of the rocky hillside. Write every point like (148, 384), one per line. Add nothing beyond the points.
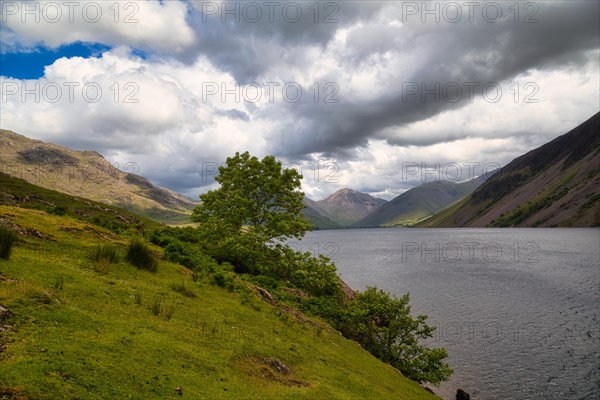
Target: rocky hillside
(87, 174)
(557, 184)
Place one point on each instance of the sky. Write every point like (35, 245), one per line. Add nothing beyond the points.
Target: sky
(375, 96)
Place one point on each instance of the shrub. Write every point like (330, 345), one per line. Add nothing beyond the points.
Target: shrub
(266, 282)
(314, 275)
(58, 210)
(8, 237)
(331, 308)
(218, 279)
(105, 253)
(139, 255)
(224, 280)
(182, 246)
(382, 324)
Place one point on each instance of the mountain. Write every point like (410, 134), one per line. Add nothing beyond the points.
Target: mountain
(313, 212)
(419, 203)
(17, 192)
(87, 174)
(557, 184)
(347, 206)
(343, 208)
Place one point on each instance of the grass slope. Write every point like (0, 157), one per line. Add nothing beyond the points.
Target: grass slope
(436, 219)
(74, 333)
(18, 192)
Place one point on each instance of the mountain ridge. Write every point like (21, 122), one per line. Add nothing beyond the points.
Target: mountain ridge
(89, 175)
(420, 202)
(555, 184)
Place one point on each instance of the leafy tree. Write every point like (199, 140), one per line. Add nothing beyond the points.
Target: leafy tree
(314, 275)
(246, 221)
(384, 326)
(257, 205)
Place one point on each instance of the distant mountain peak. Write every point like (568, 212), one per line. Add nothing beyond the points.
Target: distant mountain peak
(346, 206)
(346, 190)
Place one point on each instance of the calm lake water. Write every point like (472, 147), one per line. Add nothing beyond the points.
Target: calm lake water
(517, 309)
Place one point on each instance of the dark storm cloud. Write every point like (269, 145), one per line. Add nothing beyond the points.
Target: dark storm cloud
(248, 49)
(480, 52)
(183, 181)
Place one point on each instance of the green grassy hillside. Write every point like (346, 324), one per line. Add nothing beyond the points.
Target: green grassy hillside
(73, 330)
(18, 192)
(436, 219)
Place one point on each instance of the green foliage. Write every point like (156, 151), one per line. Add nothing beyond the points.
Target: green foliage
(258, 203)
(331, 308)
(184, 246)
(316, 276)
(8, 237)
(59, 282)
(165, 235)
(105, 253)
(140, 256)
(225, 280)
(383, 325)
(184, 289)
(266, 282)
(58, 210)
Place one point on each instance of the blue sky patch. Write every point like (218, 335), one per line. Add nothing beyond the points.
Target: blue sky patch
(31, 65)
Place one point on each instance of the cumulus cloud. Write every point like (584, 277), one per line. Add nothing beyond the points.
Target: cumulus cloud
(126, 107)
(151, 24)
(347, 92)
(466, 55)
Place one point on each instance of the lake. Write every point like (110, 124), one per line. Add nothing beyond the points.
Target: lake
(516, 308)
